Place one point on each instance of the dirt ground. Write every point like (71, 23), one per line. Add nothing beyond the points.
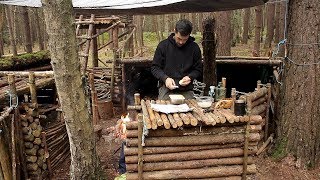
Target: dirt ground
(268, 168)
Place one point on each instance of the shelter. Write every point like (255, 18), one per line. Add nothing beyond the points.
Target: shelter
(131, 7)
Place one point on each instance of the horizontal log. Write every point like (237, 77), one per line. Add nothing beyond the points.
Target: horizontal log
(210, 172)
(26, 73)
(187, 164)
(187, 131)
(259, 109)
(24, 89)
(5, 113)
(190, 155)
(259, 101)
(258, 94)
(194, 140)
(174, 149)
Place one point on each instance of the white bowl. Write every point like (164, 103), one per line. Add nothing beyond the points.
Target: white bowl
(204, 101)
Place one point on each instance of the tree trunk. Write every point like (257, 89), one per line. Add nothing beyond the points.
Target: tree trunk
(301, 85)
(140, 33)
(257, 31)
(26, 23)
(281, 27)
(40, 36)
(2, 15)
(245, 32)
(224, 33)
(270, 25)
(11, 33)
(209, 53)
(276, 23)
(59, 19)
(156, 27)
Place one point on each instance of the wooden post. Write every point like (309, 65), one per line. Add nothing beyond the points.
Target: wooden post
(13, 103)
(266, 126)
(87, 49)
(245, 151)
(124, 84)
(4, 159)
(94, 44)
(115, 57)
(13, 149)
(95, 113)
(140, 147)
(33, 89)
(209, 54)
(233, 96)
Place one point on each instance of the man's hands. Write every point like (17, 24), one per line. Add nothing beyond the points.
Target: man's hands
(170, 84)
(185, 81)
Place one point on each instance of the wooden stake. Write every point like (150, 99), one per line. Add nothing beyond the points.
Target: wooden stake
(95, 113)
(266, 126)
(140, 147)
(245, 152)
(33, 88)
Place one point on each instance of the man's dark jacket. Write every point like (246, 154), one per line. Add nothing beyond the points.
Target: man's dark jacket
(176, 62)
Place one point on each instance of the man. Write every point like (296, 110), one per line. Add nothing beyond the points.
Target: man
(177, 62)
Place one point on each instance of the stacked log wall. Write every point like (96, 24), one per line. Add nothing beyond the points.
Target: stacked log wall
(203, 151)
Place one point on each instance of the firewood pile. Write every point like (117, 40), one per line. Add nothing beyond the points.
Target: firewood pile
(58, 144)
(34, 143)
(102, 81)
(257, 102)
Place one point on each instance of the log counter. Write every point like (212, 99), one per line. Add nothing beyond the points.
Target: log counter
(193, 145)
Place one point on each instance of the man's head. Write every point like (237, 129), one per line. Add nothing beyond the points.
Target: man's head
(182, 31)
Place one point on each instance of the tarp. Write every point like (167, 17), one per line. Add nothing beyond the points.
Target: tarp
(147, 6)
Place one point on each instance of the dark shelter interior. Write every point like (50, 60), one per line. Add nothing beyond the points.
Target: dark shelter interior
(243, 77)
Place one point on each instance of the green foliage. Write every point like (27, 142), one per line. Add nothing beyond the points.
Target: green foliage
(279, 151)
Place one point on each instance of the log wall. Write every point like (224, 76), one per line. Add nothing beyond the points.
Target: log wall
(204, 150)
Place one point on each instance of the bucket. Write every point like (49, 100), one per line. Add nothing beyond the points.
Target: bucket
(105, 109)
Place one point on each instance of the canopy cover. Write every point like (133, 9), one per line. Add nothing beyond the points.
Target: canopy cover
(147, 6)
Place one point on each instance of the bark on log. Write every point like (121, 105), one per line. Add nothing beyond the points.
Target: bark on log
(259, 101)
(176, 117)
(190, 155)
(259, 109)
(146, 114)
(194, 140)
(258, 94)
(202, 163)
(210, 172)
(151, 115)
(157, 116)
(187, 131)
(193, 120)
(175, 149)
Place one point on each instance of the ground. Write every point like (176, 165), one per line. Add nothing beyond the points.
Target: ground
(268, 167)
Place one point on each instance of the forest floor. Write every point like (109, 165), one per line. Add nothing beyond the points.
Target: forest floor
(268, 168)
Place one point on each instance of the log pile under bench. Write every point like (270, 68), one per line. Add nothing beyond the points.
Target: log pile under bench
(192, 145)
